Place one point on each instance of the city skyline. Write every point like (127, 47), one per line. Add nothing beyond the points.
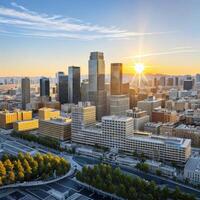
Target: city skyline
(39, 39)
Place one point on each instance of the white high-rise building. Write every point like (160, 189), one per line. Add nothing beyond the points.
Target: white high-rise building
(114, 130)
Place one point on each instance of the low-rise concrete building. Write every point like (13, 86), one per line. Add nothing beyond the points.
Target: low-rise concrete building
(139, 116)
(188, 131)
(167, 129)
(152, 127)
(192, 170)
(165, 170)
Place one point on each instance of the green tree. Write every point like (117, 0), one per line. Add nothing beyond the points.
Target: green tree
(132, 194)
(158, 172)
(5, 157)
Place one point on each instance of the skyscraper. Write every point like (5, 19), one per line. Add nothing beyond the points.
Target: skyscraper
(74, 91)
(116, 78)
(58, 74)
(63, 89)
(187, 85)
(97, 93)
(44, 87)
(25, 85)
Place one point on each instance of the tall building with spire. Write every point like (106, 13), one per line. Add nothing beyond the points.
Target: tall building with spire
(97, 92)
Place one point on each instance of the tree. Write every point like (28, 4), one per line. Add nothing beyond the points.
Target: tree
(8, 165)
(132, 194)
(5, 157)
(176, 193)
(1, 181)
(143, 167)
(11, 177)
(158, 172)
(122, 191)
(20, 176)
(126, 186)
(2, 169)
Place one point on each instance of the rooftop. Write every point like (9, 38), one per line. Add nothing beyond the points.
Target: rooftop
(153, 124)
(188, 127)
(59, 121)
(172, 141)
(117, 118)
(193, 164)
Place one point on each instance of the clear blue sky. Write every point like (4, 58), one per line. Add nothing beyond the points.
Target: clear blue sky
(40, 37)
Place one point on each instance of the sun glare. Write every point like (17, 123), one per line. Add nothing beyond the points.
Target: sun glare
(139, 68)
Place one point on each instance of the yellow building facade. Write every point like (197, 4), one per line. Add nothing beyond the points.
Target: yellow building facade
(48, 113)
(8, 118)
(27, 125)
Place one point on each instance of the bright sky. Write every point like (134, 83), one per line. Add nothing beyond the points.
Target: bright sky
(43, 37)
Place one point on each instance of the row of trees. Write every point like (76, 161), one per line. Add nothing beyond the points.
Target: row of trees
(112, 180)
(46, 141)
(143, 166)
(25, 167)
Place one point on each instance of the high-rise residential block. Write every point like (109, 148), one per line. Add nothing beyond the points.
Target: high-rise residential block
(74, 91)
(25, 85)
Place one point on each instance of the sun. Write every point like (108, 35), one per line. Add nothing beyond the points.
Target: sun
(139, 68)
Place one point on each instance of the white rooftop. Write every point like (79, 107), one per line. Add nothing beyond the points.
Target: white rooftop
(193, 164)
(117, 118)
(172, 141)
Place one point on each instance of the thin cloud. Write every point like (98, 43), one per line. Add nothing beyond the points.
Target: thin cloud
(34, 24)
(166, 53)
